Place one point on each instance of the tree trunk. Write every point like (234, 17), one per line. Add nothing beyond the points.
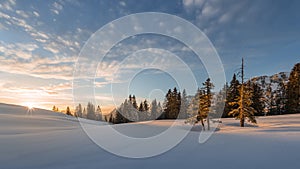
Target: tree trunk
(242, 121)
(202, 123)
(208, 125)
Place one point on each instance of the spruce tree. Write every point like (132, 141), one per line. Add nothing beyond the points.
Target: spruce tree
(232, 95)
(153, 112)
(160, 112)
(98, 113)
(183, 106)
(293, 90)
(194, 104)
(208, 86)
(84, 113)
(68, 111)
(141, 107)
(219, 106)
(146, 105)
(53, 108)
(244, 103)
(281, 99)
(134, 104)
(167, 105)
(90, 111)
(78, 110)
(257, 98)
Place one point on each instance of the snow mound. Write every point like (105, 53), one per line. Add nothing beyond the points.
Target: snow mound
(45, 139)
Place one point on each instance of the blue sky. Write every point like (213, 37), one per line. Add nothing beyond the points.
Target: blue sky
(41, 40)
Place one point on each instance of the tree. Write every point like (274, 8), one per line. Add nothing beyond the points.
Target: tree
(134, 104)
(183, 105)
(198, 108)
(146, 106)
(269, 100)
(167, 105)
(281, 99)
(68, 112)
(219, 107)
(194, 104)
(207, 99)
(232, 95)
(53, 108)
(257, 98)
(141, 107)
(203, 108)
(293, 90)
(90, 111)
(98, 114)
(160, 113)
(78, 111)
(172, 104)
(153, 112)
(244, 109)
(244, 103)
(84, 114)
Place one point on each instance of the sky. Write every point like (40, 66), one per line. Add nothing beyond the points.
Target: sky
(41, 41)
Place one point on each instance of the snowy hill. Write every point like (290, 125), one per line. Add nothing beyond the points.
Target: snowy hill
(44, 139)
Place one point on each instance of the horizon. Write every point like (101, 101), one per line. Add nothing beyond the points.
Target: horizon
(41, 42)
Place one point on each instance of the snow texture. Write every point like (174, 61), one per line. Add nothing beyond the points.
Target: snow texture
(43, 139)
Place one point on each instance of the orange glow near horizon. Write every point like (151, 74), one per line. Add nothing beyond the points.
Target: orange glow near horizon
(29, 105)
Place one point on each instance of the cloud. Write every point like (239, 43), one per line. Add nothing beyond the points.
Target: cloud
(18, 50)
(22, 13)
(42, 96)
(8, 5)
(35, 13)
(122, 3)
(56, 8)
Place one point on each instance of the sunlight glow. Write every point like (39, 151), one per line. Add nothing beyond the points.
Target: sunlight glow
(29, 105)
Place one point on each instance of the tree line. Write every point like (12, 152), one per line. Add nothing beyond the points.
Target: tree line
(88, 112)
(240, 99)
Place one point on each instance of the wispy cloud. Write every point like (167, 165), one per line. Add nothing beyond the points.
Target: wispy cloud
(56, 8)
(8, 5)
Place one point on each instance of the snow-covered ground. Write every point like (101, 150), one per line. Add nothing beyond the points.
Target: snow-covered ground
(44, 139)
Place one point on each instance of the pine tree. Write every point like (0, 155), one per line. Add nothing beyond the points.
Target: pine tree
(208, 97)
(134, 104)
(146, 105)
(269, 102)
(172, 104)
(219, 106)
(90, 111)
(53, 108)
(98, 113)
(194, 104)
(232, 95)
(281, 99)
(160, 112)
(244, 102)
(84, 114)
(244, 109)
(167, 105)
(141, 107)
(153, 112)
(293, 90)
(203, 109)
(257, 98)
(68, 112)
(183, 106)
(78, 111)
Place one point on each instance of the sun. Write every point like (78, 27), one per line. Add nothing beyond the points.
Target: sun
(29, 105)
